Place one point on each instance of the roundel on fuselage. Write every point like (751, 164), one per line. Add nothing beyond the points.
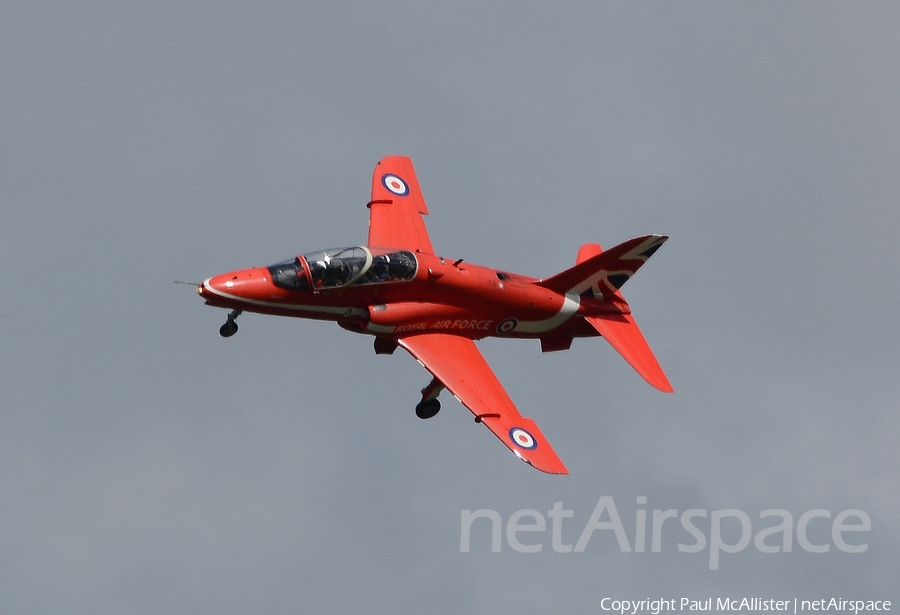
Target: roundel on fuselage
(507, 326)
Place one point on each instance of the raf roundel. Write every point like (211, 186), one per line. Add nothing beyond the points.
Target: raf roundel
(522, 438)
(507, 325)
(395, 184)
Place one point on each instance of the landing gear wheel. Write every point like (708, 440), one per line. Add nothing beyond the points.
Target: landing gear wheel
(427, 409)
(230, 327)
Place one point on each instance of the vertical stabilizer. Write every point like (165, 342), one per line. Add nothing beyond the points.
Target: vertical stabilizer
(606, 274)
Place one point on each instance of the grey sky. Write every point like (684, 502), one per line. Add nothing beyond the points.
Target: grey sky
(147, 465)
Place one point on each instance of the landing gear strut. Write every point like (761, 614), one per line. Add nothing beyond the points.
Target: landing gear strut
(230, 327)
(430, 404)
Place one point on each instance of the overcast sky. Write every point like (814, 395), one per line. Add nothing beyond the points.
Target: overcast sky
(149, 466)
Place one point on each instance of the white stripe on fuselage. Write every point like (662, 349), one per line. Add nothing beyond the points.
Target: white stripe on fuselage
(323, 309)
(568, 309)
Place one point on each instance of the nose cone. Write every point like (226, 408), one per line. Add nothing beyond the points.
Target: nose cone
(235, 287)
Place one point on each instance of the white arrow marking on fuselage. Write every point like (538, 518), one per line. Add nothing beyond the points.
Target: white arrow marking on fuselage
(324, 309)
(569, 308)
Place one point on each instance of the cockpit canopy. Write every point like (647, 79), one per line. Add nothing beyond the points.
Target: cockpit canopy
(289, 275)
(344, 267)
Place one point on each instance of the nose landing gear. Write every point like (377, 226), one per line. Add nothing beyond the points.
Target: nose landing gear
(430, 404)
(230, 327)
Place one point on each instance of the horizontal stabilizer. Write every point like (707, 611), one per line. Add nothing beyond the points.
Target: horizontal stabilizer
(623, 334)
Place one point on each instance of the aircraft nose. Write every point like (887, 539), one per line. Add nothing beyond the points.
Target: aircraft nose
(246, 284)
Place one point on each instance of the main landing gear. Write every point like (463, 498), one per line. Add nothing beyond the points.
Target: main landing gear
(427, 409)
(230, 327)
(430, 404)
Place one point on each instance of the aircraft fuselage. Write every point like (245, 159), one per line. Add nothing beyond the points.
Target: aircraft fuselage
(443, 296)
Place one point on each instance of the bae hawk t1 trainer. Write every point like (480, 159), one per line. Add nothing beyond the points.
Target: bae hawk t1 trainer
(397, 289)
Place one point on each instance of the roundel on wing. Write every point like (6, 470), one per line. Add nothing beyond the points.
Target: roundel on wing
(394, 184)
(522, 438)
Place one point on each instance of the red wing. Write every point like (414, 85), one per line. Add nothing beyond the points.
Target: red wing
(458, 364)
(397, 207)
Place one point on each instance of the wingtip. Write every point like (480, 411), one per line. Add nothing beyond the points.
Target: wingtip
(666, 388)
(658, 380)
(545, 465)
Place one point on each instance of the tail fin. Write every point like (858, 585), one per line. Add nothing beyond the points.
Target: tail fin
(600, 275)
(604, 273)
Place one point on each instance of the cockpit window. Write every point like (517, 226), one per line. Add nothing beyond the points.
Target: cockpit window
(289, 275)
(337, 267)
(359, 265)
(390, 267)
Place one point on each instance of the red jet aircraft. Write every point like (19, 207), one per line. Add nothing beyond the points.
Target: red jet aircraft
(397, 289)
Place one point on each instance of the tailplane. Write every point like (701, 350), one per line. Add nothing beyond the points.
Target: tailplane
(623, 334)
